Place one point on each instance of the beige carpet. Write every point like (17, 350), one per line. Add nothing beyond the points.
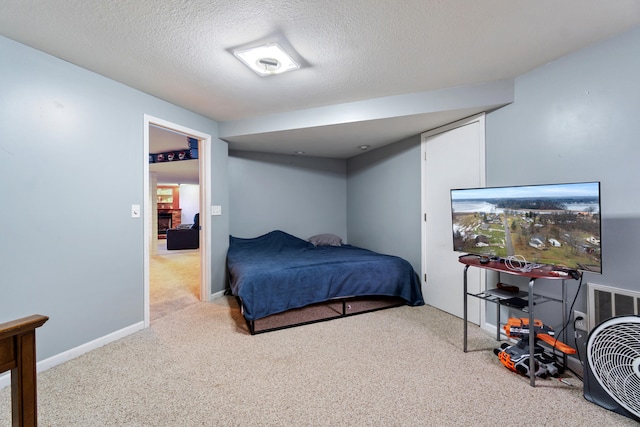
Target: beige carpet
(174, 280)
(399, 367)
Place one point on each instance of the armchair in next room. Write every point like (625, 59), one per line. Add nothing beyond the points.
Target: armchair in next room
(185, 237)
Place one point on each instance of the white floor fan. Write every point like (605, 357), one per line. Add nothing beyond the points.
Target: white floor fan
(612, 372)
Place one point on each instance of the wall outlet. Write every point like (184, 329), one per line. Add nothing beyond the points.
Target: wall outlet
(580, 325)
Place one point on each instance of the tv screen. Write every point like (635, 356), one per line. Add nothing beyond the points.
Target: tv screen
(555, 224)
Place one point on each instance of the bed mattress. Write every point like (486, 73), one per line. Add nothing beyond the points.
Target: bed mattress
(277, 272)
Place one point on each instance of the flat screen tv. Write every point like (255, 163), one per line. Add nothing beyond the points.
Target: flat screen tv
(554, 224)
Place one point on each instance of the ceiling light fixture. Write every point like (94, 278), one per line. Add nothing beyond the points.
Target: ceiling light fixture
(267, 60)
(364, 147)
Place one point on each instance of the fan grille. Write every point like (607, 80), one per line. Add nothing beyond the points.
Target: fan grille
(613, 351)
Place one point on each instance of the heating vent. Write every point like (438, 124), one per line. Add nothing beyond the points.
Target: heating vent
(606, 302)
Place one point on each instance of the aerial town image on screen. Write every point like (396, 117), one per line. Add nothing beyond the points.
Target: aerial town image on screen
(556, 224)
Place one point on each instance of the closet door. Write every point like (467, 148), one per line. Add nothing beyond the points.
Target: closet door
(452, 157)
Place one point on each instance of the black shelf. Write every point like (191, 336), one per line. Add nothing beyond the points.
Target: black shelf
(528, 299)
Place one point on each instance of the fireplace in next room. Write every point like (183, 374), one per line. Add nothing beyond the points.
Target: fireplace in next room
(164, 223)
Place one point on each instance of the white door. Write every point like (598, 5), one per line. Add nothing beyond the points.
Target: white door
(453, 157)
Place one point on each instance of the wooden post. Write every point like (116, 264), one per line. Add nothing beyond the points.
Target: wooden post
(18, 354)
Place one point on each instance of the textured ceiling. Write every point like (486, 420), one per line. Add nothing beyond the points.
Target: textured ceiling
(354, 50)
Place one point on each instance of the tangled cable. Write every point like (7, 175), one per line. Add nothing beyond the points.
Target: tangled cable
(519, 263)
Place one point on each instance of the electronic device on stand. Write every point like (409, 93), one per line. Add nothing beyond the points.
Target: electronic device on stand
(556, 227)
(531, 298)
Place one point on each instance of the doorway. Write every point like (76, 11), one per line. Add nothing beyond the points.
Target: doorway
(200, 278)
(453, 157)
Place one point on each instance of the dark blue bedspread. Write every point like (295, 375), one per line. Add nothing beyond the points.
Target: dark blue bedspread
(277, 272)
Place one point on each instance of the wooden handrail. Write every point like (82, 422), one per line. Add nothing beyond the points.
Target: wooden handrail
(18, 354)
(19, 326)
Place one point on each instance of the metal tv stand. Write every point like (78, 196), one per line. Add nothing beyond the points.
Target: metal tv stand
(544, 272)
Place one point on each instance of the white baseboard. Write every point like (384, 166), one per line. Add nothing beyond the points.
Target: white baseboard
(575, 365)
(489, 328)
(217, 295)
(65, 356)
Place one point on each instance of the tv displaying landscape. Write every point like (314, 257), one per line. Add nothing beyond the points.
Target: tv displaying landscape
(554, 224)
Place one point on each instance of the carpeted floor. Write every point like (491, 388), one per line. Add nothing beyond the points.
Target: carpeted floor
(404, 366)
(174, 280)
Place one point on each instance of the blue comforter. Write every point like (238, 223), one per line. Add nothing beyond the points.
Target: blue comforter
(277, 272)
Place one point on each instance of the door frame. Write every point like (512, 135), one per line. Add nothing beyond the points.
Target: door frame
(204, 180)
(425, 137)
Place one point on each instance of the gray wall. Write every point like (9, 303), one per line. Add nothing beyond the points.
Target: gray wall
(572, 120)
(300, 195)
(576, 119)
(383, 203)
(71, 165)
(375, 196)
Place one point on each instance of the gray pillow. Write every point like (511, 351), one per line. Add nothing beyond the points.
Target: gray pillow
(326, 240)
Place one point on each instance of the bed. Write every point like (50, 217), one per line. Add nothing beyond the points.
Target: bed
(279, 273)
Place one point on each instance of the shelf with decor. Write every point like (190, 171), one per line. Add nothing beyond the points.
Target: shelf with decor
(168, 197)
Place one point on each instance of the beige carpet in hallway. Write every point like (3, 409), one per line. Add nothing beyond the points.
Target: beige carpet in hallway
(198, 366)
(174, 280)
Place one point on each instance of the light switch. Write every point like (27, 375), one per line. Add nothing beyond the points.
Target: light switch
(135, 211)
(216, 210)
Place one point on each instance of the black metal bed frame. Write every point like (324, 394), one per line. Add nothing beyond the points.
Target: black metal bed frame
(251, 324)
